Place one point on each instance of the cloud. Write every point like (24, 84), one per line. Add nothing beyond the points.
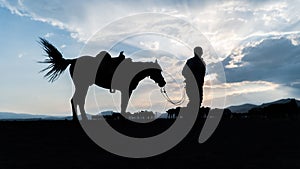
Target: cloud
(225, 24)
(82, 19)
(256, 35)
(256, 92)
(48, 35)
(229, 23)
(244, 87)
(274, 59)
(154, 45)
(63, 46)
(20, 55)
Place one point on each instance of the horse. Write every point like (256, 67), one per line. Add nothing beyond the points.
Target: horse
(173, 113)
(117, 73)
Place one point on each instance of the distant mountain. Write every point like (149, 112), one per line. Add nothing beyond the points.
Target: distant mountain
(281, 101)
(9, 115)
(244, 108)
(89, 116)
(107, 113)
(58, 118)
(163, 116)
(23, 116)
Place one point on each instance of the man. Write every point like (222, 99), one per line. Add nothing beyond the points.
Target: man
(194, 72)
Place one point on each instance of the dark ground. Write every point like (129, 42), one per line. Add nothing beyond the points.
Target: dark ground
(236, 143)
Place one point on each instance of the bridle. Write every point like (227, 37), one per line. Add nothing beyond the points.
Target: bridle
(166, 96)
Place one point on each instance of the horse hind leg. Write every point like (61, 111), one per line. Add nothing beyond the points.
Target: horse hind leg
(78, 99)
(74, 112)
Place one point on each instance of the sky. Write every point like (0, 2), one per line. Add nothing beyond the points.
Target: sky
(252, 50)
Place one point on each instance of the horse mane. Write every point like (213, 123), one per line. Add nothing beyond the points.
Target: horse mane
(144, 64)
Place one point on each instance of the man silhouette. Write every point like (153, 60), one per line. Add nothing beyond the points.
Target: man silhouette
(194, 70)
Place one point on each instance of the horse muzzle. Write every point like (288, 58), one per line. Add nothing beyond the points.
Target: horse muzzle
(161, 84)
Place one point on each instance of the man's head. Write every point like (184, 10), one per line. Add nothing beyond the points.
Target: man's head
(198, 51)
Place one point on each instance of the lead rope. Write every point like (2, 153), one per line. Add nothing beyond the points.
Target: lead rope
(166, 96)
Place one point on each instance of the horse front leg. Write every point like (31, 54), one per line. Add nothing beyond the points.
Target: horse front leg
(125, 96)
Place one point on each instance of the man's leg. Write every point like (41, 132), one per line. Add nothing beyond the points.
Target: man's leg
(191, 92)
(200, 96)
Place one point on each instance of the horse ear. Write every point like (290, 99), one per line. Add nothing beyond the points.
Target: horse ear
(156, 61)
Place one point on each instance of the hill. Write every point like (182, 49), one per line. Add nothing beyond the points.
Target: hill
(24, 116)
(244, 108)
(281, 101)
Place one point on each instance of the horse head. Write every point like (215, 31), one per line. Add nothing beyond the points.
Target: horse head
(155, 74)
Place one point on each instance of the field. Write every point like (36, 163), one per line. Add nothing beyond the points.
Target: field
(236, 143)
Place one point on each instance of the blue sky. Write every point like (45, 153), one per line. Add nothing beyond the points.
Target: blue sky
(257, 43)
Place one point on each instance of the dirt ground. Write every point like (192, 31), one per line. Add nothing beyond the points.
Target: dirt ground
(236, 143)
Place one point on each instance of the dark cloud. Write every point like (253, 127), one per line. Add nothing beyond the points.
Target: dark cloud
(274, 60)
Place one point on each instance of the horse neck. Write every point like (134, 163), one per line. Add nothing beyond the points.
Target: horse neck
(143, 74)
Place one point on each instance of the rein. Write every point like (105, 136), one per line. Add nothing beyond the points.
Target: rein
(166, 96)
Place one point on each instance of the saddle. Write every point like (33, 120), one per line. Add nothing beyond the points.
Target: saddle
(107, 69)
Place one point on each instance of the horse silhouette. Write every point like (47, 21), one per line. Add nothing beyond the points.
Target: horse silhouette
(118, 73)
(173, 113)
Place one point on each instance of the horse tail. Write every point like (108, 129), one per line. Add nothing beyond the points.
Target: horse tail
(57, 63)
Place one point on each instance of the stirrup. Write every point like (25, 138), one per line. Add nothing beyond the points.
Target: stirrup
(112, 90)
